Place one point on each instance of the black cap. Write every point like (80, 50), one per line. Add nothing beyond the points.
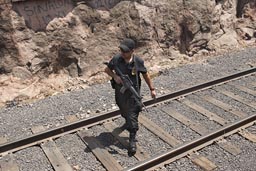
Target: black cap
(127, 45)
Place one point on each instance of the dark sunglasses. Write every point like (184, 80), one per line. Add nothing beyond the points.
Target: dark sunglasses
(124, 51)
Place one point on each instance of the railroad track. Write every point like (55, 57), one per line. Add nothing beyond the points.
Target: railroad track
(184, 122)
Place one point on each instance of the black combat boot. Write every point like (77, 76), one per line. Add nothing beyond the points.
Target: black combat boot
(132, 144)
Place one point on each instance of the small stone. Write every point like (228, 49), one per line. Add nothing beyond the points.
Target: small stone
(114, 107)
(76, 167)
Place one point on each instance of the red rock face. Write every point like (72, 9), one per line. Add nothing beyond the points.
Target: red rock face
(8, 51)
(47, 37)
(102, 4)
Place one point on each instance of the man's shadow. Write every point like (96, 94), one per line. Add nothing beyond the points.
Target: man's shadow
(107, 140)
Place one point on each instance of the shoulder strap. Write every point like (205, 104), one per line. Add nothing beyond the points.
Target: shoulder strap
(137, 74)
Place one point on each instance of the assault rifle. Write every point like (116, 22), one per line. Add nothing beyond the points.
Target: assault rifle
(127, 84)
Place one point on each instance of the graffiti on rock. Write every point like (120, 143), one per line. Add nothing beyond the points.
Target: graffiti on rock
(38, 14)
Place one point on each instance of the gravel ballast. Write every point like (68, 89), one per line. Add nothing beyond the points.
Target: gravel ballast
(16, 122)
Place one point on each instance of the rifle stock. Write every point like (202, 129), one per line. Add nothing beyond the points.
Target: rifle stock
(127, 84)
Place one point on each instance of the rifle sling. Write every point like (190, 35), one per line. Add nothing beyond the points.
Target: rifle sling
(137, 74)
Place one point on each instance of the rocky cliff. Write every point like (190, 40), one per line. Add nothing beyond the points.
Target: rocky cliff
(52, 46)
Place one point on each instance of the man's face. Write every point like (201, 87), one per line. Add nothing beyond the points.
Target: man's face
(126, 55)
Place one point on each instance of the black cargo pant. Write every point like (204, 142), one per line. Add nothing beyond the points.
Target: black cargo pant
(129, 108)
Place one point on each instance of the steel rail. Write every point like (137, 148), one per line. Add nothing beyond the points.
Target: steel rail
(199, 87)
(154, 161)
(56, 131)
(72, 127)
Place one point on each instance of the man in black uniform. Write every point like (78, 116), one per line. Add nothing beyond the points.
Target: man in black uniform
(132, 66)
